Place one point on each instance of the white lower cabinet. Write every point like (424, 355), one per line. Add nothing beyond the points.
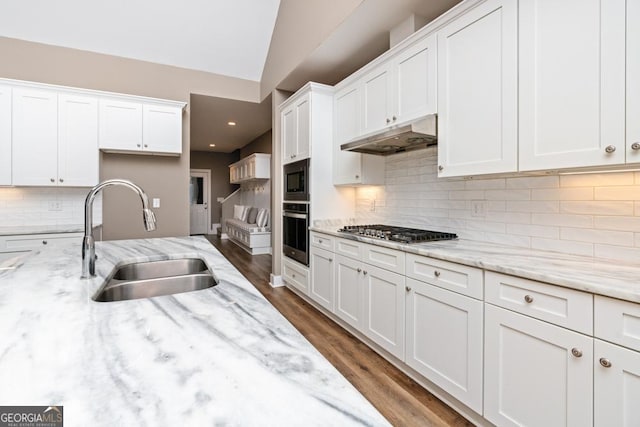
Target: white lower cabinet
(616, 385)
(295, 275)
(348, 304)
(444, 340)
(321, 289)
(15, 245)
(535, 373)
(5, 135)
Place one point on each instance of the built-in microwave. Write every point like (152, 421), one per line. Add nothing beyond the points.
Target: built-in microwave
(296, 181)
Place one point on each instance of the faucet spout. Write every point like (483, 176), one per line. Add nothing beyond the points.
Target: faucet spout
(88, 243)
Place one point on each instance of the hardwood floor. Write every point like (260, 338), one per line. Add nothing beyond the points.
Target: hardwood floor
(400, 399)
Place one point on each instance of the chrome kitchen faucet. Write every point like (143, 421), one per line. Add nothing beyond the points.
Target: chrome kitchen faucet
(88, 244)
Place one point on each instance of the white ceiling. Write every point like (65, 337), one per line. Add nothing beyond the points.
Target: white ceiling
(228, 37)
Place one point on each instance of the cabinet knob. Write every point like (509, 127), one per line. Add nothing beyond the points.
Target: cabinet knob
(138, 145)
(440, 168)
(52, 180)
(359, 270)
(407, 288)
(605, 362)
(319, 240)
(357, 176)
(364, 272)
(528, 298)
(293, 275)
(394, 118)
(388, 120)
(635, 146)
(146, 146)
(610, 149)
(61, 180)
(44, 242)
(330, 259)
(576, 352)
(436, 273)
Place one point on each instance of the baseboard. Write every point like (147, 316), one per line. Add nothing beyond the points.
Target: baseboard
(214, 228)
(224, 236)
(275, 281)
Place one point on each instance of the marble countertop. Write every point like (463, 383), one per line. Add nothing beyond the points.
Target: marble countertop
(220, 356)
(616, 279)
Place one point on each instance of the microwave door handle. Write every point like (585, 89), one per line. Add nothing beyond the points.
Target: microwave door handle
(294, 215)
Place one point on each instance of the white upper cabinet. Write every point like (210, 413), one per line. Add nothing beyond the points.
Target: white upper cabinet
(572, 83)
(296, 122)
(162, 128)
(477, 91)
(146, 128)
(77, 140)
(401, 88)
(35, 147)
(633, 81)
(5, 135)
(120, 125)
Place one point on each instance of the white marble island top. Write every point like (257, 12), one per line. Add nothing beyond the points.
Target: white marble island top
(220, 356)
(615, 279)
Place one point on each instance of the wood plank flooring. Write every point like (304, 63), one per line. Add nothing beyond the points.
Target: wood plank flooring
(400, 399)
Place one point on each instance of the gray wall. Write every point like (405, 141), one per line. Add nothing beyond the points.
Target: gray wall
(218, 163)
(261, 144)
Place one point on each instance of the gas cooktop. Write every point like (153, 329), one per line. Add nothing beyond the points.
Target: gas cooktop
(397, 234)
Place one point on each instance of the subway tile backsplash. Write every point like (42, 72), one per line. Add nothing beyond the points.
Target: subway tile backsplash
(588, 214)
(34, 206)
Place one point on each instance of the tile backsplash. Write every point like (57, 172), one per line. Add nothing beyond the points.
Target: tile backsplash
(34, 206)
(587, 214)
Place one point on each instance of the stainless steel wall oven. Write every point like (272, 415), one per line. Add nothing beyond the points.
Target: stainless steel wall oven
(295, 231)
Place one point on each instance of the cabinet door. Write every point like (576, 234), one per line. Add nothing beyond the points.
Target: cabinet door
(633, 83)
(303, 128)
(120, 125)
(35, 137)
(477, 91)
(415, 80)
(162, 129)
(349, 293)
(77, 140)
(444, 340)
(346, 165)
(384, 308)
(289, 136)
(5, 135)
(571, 83)
(322, 277)
(616, 385)
(376, 99)
(531, 376)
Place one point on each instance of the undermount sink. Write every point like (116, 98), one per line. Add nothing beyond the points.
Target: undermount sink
(155, 278)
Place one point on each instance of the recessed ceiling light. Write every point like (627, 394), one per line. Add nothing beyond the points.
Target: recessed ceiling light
(212, 145)
(231, 123)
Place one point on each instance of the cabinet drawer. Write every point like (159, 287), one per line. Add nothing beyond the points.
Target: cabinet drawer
(349, 248)
(561, 306)
(296, 275)
(617, 321)
(323, 241)
(35, 241)
(455, 277)
(389, 259)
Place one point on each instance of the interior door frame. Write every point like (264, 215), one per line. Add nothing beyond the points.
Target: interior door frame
(205, 196)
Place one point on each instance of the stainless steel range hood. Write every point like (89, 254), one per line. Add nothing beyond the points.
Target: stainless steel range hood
(413, 135)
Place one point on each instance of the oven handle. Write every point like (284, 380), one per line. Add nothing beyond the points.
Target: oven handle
(294, 215)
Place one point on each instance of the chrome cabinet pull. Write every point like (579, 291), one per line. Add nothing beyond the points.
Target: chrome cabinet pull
(440, 168)
(635, 146)
(407, 288)
(605, 362)
(61, 180)
(388, 120)
(436, 273)
(52, 180)
(394, 118)
(528, 298)
(610, 149)
(576, 352)
(364, 272)
(44, 242)
(138, 145)
(359, 270)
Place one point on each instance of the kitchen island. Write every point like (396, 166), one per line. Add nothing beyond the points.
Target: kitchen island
(219, 356)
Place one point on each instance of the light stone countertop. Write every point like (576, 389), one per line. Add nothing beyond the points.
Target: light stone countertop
(220, 356)
(615, 279)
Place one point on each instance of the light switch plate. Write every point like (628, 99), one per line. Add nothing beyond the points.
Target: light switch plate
(55, 205)
(478, 208)
(156, 202)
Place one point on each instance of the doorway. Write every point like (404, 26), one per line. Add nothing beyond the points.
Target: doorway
(200, 215)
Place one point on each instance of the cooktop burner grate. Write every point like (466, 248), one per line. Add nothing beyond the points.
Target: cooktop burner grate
(397, 234)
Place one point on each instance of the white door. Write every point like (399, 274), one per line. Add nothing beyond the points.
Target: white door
(199, 201)
(572, 76)
(445, 340)
(5, 135)
(535, 373)
(349, 293)
(162, 129)
(616, 385)
(35, 137)
(384, 308)
(415, 80)
(303, 128)
(120, 125)
(322, 277)
(376, 99)
(346, 165)
(77, 140)
(289, 136)
(633, 82)
(477, 91)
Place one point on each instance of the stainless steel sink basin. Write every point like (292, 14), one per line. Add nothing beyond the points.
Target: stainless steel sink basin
(156, 278)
